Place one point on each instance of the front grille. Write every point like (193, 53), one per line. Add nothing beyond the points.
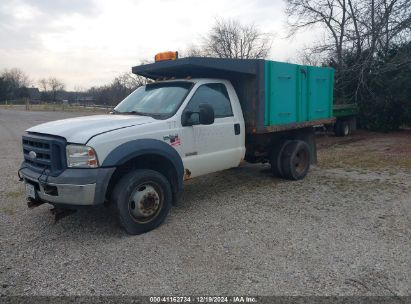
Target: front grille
(45, 154)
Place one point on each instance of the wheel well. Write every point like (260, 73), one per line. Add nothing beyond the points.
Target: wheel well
(150, 161)
(261, 145)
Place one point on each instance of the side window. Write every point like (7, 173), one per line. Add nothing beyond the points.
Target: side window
(214, 94)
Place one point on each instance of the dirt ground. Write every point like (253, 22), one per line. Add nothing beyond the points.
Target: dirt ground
(343, 230)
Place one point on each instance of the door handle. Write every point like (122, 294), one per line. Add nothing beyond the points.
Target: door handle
(237, 129)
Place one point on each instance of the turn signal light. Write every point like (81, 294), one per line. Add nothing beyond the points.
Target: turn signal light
(166, 56)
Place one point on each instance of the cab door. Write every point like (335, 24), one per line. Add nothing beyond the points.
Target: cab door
(217, 146)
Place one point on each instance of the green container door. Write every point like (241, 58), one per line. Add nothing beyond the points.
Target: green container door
(295, 93)
(320, 90)
(281, 93)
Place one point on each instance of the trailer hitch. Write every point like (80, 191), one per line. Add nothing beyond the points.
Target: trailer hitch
(33, 203)
(58, 212)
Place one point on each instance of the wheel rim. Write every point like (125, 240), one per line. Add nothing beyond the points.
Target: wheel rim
(346, 130)
(145, 202)
(300, 161)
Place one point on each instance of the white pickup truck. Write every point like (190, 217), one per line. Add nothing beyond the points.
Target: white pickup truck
(165, 132)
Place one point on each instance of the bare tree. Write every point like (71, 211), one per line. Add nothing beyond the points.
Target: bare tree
(389, 21)
(16, 77)
(331, 14)
(131, 81)
(231, 39)
(55, 86)
(193, 51)
(308, 56)
(43, 83)
(352, 25)
(14, 83)
(78, 92)
(118, 89)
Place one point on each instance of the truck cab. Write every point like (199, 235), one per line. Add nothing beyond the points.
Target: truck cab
(200, 118)
(179, 129)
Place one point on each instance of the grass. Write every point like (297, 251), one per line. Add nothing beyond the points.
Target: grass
(8, 210)
(340, 158)
(368, 154)
(14, 194)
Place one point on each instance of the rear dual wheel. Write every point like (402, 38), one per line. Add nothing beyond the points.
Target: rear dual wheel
(275, 158)
(291, 160)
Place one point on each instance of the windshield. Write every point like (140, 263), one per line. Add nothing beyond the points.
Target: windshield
(159, 100)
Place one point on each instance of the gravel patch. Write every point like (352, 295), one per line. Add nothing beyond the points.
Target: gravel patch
(340, 231)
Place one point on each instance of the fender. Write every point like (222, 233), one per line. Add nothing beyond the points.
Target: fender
(139, 147)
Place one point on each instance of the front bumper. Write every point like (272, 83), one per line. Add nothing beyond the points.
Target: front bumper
(71, 187)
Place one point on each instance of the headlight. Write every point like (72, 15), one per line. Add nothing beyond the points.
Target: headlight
(80, 156)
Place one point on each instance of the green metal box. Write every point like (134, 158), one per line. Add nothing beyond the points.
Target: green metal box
(296, 93)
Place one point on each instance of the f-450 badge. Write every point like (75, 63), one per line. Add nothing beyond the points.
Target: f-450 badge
(174, 140)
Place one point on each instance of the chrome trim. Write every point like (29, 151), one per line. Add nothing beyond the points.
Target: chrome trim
(68, 193)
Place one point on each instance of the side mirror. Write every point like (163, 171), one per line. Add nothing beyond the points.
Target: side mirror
(189, 119)
(206, 114)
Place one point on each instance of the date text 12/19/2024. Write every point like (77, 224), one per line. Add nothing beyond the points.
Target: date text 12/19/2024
(203, 299)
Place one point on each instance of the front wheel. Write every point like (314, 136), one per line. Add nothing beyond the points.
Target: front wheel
(143, 200)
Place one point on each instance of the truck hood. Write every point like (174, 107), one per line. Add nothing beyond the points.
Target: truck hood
(81, 129)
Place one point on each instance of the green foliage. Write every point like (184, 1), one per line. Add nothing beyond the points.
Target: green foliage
(380, 84)
(383, 114)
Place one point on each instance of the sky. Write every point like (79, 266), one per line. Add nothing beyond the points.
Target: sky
(87, 43)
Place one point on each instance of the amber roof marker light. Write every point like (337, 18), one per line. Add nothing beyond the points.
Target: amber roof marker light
(166, 56)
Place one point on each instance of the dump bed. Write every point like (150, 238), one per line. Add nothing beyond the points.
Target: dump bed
(274, 96)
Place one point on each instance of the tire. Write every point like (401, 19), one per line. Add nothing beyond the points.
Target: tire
(142, 200)
(295, 160)
(275, 159)
(342, 128)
